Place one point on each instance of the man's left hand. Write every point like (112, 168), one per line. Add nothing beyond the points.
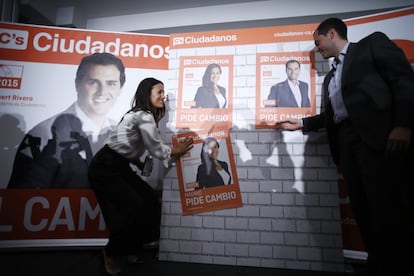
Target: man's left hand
(399, 139)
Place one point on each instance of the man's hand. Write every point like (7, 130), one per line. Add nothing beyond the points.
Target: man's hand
(291, 124)
(399, 139)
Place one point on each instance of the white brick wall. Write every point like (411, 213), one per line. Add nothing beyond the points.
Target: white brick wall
(290, 213)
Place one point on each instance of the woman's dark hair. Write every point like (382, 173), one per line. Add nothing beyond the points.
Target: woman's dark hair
(100, 59)
(141, 100)
(205, 149)
(207, 74)
(333, 23)
(205, 154)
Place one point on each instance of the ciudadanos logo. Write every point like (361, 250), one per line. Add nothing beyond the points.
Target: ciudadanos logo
(203, 39)
(13, 39)
(178, 41)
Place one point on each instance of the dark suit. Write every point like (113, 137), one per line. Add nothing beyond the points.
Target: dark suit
(212, 179)
(283, 95)
(55, 154)
(378, 92)
(205, 97)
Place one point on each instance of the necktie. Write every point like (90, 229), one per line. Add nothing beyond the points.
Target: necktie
(336, 62)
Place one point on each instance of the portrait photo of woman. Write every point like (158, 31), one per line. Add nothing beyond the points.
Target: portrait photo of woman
(212, 172)
(210, 94)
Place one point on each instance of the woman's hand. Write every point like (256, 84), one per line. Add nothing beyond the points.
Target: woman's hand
(182, 147)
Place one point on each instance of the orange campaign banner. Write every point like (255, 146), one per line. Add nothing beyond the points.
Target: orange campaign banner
(207, 174)
(277, 74)
(396, 24)
(21, 42)
(62, 92)
(50, 214)
(196, 109)
(242, 36)
(350, 230)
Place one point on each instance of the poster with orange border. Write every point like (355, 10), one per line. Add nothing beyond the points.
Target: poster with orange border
(196, 108)
(243, 45)
(273, 76)
(38, 66)
(203, 186)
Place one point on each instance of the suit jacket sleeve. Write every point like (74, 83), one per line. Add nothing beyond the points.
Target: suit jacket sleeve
(272, 94)
(198, 98)
(314, 123)
(201, 175)
(304, 88)
(396, 71)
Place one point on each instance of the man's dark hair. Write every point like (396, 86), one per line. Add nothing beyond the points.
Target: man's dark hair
(100, 59)
(333, 23)
(292, 61)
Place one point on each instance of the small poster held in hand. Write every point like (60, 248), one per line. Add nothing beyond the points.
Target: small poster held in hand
(207, 174)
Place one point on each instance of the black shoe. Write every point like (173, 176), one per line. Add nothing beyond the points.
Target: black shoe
(112, 266)
(136, 259)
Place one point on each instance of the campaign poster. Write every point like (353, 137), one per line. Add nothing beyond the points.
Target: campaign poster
(285, 87)
(207, 174)
(248, 88)
(205, 92)
(62, 91)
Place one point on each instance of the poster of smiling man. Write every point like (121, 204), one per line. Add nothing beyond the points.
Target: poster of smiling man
(285, 87)
(62, 93)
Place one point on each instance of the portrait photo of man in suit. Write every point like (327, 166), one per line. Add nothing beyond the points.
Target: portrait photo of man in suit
(56, 152)
(292, 92)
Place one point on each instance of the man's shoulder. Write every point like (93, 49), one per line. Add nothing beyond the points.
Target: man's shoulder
(279, 84)
(375, 36)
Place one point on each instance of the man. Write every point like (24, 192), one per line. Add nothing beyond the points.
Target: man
(292, 92)
(368, 112)
(57, 151)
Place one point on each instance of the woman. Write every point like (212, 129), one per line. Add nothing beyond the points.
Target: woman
(210, 94)
(212, 172)
(129, 205)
